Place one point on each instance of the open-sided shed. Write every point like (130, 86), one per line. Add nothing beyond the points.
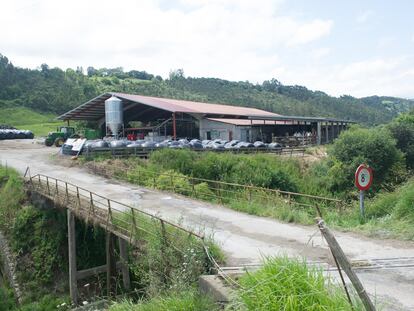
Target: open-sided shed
(164, 117)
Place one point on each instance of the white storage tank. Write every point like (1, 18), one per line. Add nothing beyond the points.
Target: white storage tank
(114, 115)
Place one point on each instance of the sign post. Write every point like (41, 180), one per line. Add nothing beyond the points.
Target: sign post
(363, 181)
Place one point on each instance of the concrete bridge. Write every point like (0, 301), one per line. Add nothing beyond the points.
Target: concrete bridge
(118, 220)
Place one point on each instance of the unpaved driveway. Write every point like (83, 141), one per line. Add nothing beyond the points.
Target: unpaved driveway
(244, 238)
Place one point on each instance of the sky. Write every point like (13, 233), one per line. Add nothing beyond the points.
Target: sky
(357, 48)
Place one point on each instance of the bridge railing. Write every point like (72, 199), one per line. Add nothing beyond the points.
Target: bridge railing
(123, 220)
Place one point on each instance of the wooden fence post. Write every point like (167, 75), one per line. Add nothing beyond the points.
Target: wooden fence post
(345, 264)
(134, 226)
(48, 187)
(78, 196)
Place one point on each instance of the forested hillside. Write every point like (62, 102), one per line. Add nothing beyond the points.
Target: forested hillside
(53, 90)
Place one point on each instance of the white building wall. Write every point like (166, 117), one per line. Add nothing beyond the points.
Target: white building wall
(216, 129)
(222, 131)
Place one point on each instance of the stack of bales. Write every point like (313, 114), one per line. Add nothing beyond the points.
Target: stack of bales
(9, 132)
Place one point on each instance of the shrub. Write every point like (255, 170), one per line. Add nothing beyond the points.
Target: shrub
(188, 300)
(374, 147)
(171, 180)
(404, 207)
(6, 298)
(202, 191)
(11, 196)
(402, 130)
(259, 170)
(173, 159)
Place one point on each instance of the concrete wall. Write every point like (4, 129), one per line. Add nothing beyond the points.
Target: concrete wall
(216, 129)
(222, 131)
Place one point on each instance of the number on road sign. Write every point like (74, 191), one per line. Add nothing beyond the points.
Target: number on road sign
(363, 177)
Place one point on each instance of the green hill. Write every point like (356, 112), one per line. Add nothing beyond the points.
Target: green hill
(54, 91)
(26, 119)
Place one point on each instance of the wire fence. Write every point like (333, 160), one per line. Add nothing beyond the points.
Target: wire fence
(140, 152)
(238, 196)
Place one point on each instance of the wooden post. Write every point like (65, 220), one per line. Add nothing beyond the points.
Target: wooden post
(48, 187)
(345, 264)
(78, 196)
(110, 265)
(67, 192)
(174, 127)
(72, 257)
(123, 252)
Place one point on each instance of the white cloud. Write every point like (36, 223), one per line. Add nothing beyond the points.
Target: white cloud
(380, 76)
(364, 16)
(320, 53)
(312, 31)
(234, 39)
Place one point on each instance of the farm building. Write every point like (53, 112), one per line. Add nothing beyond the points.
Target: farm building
(153, 118)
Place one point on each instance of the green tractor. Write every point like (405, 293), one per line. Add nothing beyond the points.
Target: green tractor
(59, 137)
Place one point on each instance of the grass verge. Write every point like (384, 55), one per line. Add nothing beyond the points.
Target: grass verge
(290, 285)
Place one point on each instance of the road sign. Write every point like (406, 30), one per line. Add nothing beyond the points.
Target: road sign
(363, 180)
(363, 177)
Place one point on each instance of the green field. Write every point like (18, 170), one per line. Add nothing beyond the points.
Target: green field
(27, 119)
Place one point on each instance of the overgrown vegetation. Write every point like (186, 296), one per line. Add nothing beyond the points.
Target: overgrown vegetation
(189, 300)
(193, 174)
(165, 260)
(291, 285)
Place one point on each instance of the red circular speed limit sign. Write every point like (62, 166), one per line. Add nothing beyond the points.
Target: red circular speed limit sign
(363, 177)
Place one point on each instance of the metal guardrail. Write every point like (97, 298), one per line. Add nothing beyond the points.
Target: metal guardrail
(140, 152)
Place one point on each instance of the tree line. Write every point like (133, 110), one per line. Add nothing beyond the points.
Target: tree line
(54, 90)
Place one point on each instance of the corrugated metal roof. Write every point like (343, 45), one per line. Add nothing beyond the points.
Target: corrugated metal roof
(95, 108)
(247, 122)
(176, 105)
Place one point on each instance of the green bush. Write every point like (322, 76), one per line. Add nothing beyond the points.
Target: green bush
(202, 191)
(173, 181)
(402, 129)
(404, 207)
(188, 300)
(258, 170)
(40, 234)
(47, 303)
(7, 299)
(374, 147)
(11, 197)
(291, 285)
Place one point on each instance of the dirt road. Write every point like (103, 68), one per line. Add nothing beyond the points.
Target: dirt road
(244, 238)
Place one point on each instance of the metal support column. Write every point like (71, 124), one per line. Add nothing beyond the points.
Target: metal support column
(327, 132)
(174, 127)
(123, 252)
(318, 133)
(72, 257)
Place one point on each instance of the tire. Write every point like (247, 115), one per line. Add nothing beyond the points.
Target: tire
(48, 142)
(59, 142)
